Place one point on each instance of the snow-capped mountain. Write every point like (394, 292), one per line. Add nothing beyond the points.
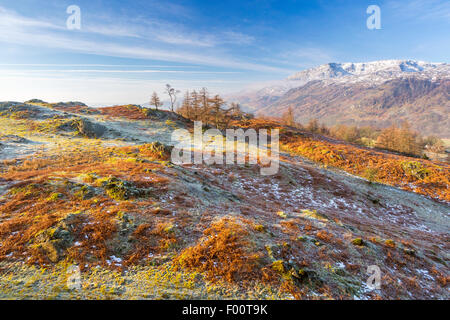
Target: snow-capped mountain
(368, 73)
(375, 71)
(377, 93)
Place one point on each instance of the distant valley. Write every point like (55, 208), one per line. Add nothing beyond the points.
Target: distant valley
(379, 94)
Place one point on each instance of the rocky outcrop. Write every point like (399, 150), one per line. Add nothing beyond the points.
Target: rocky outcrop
(90, 129)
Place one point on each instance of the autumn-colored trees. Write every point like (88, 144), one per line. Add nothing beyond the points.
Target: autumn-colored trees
(365, 135)
(314, 126)
(401, 139)
(421, 176)
(155, 101)
(346, 133)
(288, 118)
(433, 144)
(200, 106)
(214, 111)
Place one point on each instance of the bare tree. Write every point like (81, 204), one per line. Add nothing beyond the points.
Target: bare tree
(313, 126)
(155, 101)
(288, 117)
(172, 95)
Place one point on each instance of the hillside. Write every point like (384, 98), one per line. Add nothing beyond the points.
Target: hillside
(379, 94)
(95, 188)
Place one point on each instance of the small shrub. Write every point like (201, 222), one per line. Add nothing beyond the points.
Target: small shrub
(390, 243)
(282, 214)
(278, 266)
(118, 189)
(415, 169)
(323, 235)
(156, 150)
(259, 227)
(371, 174)
(54, 196)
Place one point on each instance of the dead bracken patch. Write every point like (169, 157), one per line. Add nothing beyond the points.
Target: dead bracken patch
(224, 251)
(421, 176)
(119, 205)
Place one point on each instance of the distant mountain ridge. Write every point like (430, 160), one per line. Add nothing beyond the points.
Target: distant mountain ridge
(378, 93)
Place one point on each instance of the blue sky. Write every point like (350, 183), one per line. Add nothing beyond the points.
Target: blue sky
(127, 49)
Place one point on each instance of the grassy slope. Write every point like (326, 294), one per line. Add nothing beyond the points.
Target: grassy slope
(131, 220)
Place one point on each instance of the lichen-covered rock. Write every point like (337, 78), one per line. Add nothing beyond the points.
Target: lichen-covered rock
(54, 242)
(157, 150)
(119, 189)
(90, 129)
(12, 138)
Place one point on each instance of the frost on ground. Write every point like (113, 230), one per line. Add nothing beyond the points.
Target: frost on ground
(95, 189)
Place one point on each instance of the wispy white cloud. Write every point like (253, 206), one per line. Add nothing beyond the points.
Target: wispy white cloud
(43, 34)
(181, 39)
(98, 91)
(102, 84)
(179, 36)
(89, 65)
(170, 8)
(306, 56)
(237, 38)
(421, 9)
(155, 30)
(10, 19)
(111, 30)
(113, 71)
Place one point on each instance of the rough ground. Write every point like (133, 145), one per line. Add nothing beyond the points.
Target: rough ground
(90, 188)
